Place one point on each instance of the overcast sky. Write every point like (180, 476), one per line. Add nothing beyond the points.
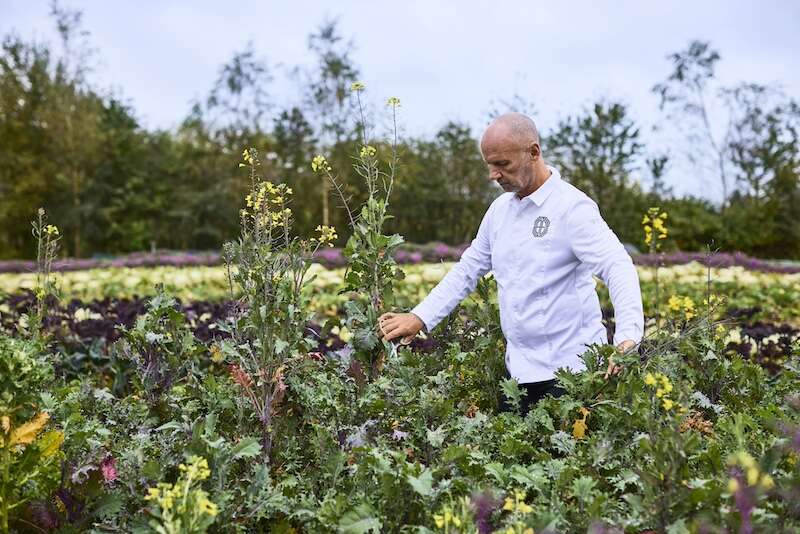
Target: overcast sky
(444, 60)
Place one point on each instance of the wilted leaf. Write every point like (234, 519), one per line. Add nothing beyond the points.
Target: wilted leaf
(26, 433)
(50, 443)
(579, 427)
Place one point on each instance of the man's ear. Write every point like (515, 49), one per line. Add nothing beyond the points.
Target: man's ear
(536, 151)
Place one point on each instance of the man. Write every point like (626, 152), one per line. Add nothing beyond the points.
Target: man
(543, 239)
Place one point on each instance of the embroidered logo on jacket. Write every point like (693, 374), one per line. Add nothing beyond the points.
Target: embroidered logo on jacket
(540, 226)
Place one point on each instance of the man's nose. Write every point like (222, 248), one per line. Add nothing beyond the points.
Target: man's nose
(494, 175)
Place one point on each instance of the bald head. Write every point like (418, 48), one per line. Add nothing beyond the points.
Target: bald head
(513, 130)
(510, 147)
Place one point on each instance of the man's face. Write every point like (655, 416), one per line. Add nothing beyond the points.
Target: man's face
(510, 165)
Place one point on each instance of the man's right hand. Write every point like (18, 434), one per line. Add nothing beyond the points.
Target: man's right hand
(394, 325)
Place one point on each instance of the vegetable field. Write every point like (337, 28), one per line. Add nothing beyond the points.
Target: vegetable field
(257, 396)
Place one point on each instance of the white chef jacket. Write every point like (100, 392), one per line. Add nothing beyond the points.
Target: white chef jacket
(543, 250)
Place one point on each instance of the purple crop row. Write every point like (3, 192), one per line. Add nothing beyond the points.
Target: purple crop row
(76, 325)
(409, 253)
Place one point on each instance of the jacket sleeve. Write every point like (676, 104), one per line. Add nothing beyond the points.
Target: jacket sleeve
(596, 245)
(461, 280)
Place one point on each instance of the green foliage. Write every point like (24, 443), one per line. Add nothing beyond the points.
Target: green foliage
(29, 457)
(161, 346)
(270, 265)
(371, 270)
(24, 372)
(123, 188)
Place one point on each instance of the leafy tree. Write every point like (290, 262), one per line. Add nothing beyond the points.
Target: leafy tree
(686, 95)
(328, 97)
(597, 152)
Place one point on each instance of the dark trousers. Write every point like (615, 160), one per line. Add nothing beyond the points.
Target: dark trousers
(535, 392)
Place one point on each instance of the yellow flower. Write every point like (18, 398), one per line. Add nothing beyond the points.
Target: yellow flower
(674, 303)
(667, 404)
(320, 164)
(327, 234)
(368, 151)
(524, 508)
(249, 155)
(744, 459)
(767, 483)
(393, 101)
(51, 230)
(208, 507)
(439, 520)
(654, 220)
(688, 307)
(650, 380)
(357, 86)
(509, 504)
(752, 476)
(456, 521)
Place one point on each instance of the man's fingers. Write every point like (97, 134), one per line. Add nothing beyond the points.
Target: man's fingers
(385, 324)
(612, 369)
(393, 332)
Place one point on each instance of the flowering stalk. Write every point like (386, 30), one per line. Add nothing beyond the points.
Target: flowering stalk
(269, 334)
(183, 507)
(47, 238)
(654, 232)
(371, 266)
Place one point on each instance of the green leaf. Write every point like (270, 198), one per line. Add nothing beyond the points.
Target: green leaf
(530, 477)
(563, 442)
(496, 470)
(108, 505)
(678, 527)
(280, 346)
(395, 241)
(436, 437)
(171, 425)
(423, 484)
(583, 488)
(512, 391)
(360, 520)
(246, 448)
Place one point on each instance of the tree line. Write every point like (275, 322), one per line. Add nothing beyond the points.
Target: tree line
(114, 186)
